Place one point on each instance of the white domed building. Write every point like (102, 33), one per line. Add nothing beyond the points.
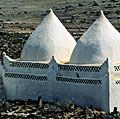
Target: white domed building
(49, 39)
(54, 67)
(99, 42)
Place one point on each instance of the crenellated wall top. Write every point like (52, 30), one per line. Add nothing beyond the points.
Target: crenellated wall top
(53, 64)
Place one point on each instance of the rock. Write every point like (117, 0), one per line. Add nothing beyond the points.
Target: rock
(80, 4)
(113, 1)
(115, 110)
(40, 102)
(17, 109)
(95, 3)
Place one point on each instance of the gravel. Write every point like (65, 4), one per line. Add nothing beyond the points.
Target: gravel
(30, 109)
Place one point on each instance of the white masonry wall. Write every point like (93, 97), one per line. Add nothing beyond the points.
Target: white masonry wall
(24, 88)
(90, 88)
(87, 92)
(24, 67)
(114, 86)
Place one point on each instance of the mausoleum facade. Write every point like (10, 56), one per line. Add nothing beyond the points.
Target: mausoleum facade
(52, 65)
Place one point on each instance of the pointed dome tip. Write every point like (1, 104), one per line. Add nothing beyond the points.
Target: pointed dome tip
(50, 11)
(101, 11)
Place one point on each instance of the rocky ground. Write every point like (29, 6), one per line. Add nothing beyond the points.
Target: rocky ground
(18, 18)
(12, 43)
(19, 109)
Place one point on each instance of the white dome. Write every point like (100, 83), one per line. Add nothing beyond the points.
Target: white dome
(49, 39)
(99, 42)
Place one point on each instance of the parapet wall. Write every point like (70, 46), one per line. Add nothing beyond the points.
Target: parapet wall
(79, 71)
(80, 84)
(68, 70)
(25, 67)
(83, 92)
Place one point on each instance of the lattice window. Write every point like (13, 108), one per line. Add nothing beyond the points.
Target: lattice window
(29, 64)
(26, 76)
(80, 68)
(117, 68)
(74, 80)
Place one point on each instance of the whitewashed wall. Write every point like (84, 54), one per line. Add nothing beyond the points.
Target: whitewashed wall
(85, 93)
(91, 88)
(24, 88)
(24, 67)
(80, 71)
(114, 86)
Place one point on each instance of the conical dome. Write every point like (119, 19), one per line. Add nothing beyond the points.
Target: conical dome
(49, 39)
(99, 42)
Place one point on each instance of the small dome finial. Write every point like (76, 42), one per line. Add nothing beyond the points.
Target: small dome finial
(50, 10)
(102, 12)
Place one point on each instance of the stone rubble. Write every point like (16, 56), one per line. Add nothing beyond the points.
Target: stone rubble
(19, 109)
(76, 18)
(76, 22)
(12, 43)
